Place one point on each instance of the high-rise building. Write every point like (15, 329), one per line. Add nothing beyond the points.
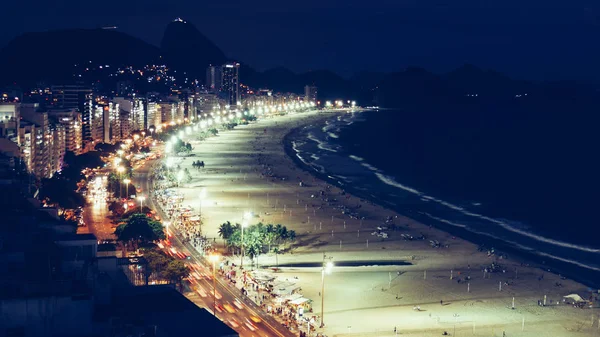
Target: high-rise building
(58, 148)
(230, 87)
(114, 119)
(10, 117)
(38, 129)
(71, 120)
(167, 112)
(79, 97)
(152, 115)
(310, 93)
(134, 107)
(101, 126)
(214, 78)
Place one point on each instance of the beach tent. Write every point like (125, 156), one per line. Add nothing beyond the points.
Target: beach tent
(299, 301)
(574, 298)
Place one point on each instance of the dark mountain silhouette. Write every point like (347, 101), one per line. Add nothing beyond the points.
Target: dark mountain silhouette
(467, 83)
(51, 55)
(280, 78)
(469, 79)
(186, 49)
(411, 86)
(367, 80)
(330, 85)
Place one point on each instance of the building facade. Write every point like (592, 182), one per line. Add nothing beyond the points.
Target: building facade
(71, 120)
(230, 88)
(310, 93)
(214, 79)
(80, 98)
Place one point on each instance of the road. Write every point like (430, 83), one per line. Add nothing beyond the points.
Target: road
(95, 214)
(201, 282)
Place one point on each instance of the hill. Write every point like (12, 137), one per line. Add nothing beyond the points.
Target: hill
(50, 56)
(185, 48)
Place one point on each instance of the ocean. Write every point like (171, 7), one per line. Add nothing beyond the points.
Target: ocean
(519, 183)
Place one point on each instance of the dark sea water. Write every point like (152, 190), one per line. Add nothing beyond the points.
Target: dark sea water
(526, 184)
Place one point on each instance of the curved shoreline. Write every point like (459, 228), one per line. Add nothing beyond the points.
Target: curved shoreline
(562, 268)
(248, 171)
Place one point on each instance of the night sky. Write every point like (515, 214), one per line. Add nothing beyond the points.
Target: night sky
(529, 39)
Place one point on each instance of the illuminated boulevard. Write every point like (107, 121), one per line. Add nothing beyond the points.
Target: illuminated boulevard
(200, 290)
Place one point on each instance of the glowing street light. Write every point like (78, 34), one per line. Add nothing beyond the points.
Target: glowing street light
(126, 181)
(214, 258)
(141, 198)
(245, 219)
(327, 267)
(166, 224)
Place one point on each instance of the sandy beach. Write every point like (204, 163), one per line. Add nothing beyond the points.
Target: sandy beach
(373, 300)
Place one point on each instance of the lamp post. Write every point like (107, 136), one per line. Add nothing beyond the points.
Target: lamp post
(167, 223)
(326, 270)
(120, 170)
(214, 258)
(141, 198)
(126, 181)
(245, 218)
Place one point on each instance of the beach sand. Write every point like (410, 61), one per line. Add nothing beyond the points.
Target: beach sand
(361, 301)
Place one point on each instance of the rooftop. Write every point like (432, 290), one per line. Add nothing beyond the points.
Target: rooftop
(165, 308)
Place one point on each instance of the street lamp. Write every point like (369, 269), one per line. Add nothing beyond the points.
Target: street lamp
(326, 270)
(214, 258)
(245, 218)
(120, 170)
(141, 198)
(126, 181)
(167, 223)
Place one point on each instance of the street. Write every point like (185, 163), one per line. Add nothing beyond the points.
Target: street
(201, 289)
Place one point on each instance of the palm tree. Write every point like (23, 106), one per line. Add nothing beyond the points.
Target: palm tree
(270, 235)
(226, 230)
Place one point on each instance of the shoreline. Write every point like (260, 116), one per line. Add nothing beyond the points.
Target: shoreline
(235, 184)
(555, 266)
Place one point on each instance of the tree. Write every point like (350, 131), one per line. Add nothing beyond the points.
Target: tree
(176, 271)
(139, 228)
(270, 235)
(156, 262)
(135, 210)
(61, 192)
(117, 209)
(226, 230)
